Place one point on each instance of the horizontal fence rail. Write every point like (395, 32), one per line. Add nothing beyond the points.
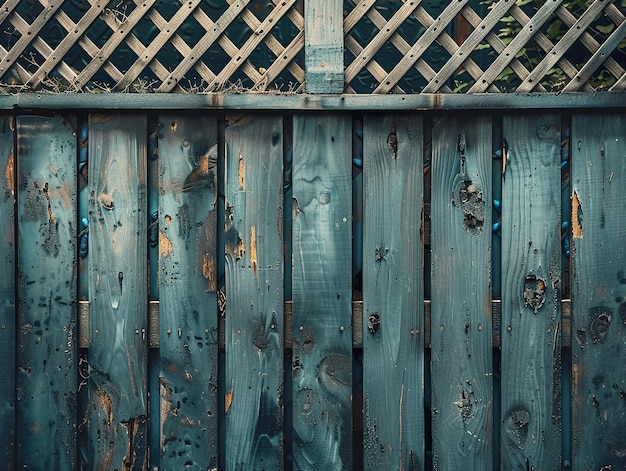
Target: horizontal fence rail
(317, 46)
(247, 290)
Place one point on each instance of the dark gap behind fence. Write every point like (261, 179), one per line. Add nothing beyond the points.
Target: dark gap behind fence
(427, 157)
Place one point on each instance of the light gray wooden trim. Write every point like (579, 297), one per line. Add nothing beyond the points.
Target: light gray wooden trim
(357, 324)
(308, 102)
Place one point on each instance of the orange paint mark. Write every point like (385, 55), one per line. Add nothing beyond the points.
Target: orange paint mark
(577, 227)
(203, 164)
(9, 173)
(228, 400)
(253, 258)
(165, 245)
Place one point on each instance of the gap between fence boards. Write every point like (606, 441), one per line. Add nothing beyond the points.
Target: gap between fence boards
(357, 324)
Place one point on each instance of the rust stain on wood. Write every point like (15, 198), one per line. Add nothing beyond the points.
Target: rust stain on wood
(253, 256)
(241, 173)
(228, 401)
(165, 245)
(209, 269)
(9, 173)
(166, 409)
(577, 227)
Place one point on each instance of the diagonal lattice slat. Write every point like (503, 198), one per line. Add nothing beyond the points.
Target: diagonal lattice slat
(390, 46)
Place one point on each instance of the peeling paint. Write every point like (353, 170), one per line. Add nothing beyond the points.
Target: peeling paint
(228, 401)
(241, 173)
(165, 245)
(9, 173)
(209, 269)
(253, 256)
(577, 211)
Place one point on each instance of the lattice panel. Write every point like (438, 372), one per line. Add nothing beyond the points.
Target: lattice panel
(390, 46)
(150, 45)
(413, 46)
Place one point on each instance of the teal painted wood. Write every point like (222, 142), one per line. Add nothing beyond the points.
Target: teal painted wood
(598, 291)
(531, 287)
(7, 293)
(322, 284)
(461, 293)
(254, 293)
(323, 46)
(117, 410)
(393, 340)
(46, 357)
(188, 291)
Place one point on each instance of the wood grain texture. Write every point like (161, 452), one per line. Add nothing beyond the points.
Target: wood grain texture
(322, 284)
(117, 415)
(254, 293)
(599, 291)
(46, 380)
(188, 291)
(323, 46)
(531, 287)
(393, 340)
(7, 292)
(461, 293)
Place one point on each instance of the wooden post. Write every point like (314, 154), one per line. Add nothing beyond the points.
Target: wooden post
(323, 46)
(254, 293)
(393, 298)
(322, 289)
(188, 291)
(118, 403)
(47, 363)
(531, 293)
(7, 292)
(461, 293)
(598, 291)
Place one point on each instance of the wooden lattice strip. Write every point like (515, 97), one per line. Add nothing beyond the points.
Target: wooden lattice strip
(7, 8)
(352, 45)
(498, 46)
(75, 31)
(509, 53)
(619, 85)
(251, 44)
(546, 45)
(597, 59)
(18, 70)
(113, 42)
(562, 46)
(25, 39)
(41, 47)
(150, 51)
(284, 55)
(613, 13)
(383, 35)
(420, 47)
(470, 43)
(212, 34)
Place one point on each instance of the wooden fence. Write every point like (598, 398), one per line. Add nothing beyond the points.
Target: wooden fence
(313, 290)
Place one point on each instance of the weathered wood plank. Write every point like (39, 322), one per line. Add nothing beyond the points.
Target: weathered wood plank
(531, 282)
(7, 292)
(598, 291)
(117, 415)
(393, 298)
(47, 363)
(323, 46)
(254, 293)
(322, 341)
(461, 293)
(188, 291)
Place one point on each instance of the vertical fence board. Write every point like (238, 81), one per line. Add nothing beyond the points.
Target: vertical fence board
(188, 291)
(117, 416)
(531, 265)
(254, 293)
(322, 285)
(47, 362)
(7, 293)
(393, 361)
(599, 291)
(323, 46)
(461, 294)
